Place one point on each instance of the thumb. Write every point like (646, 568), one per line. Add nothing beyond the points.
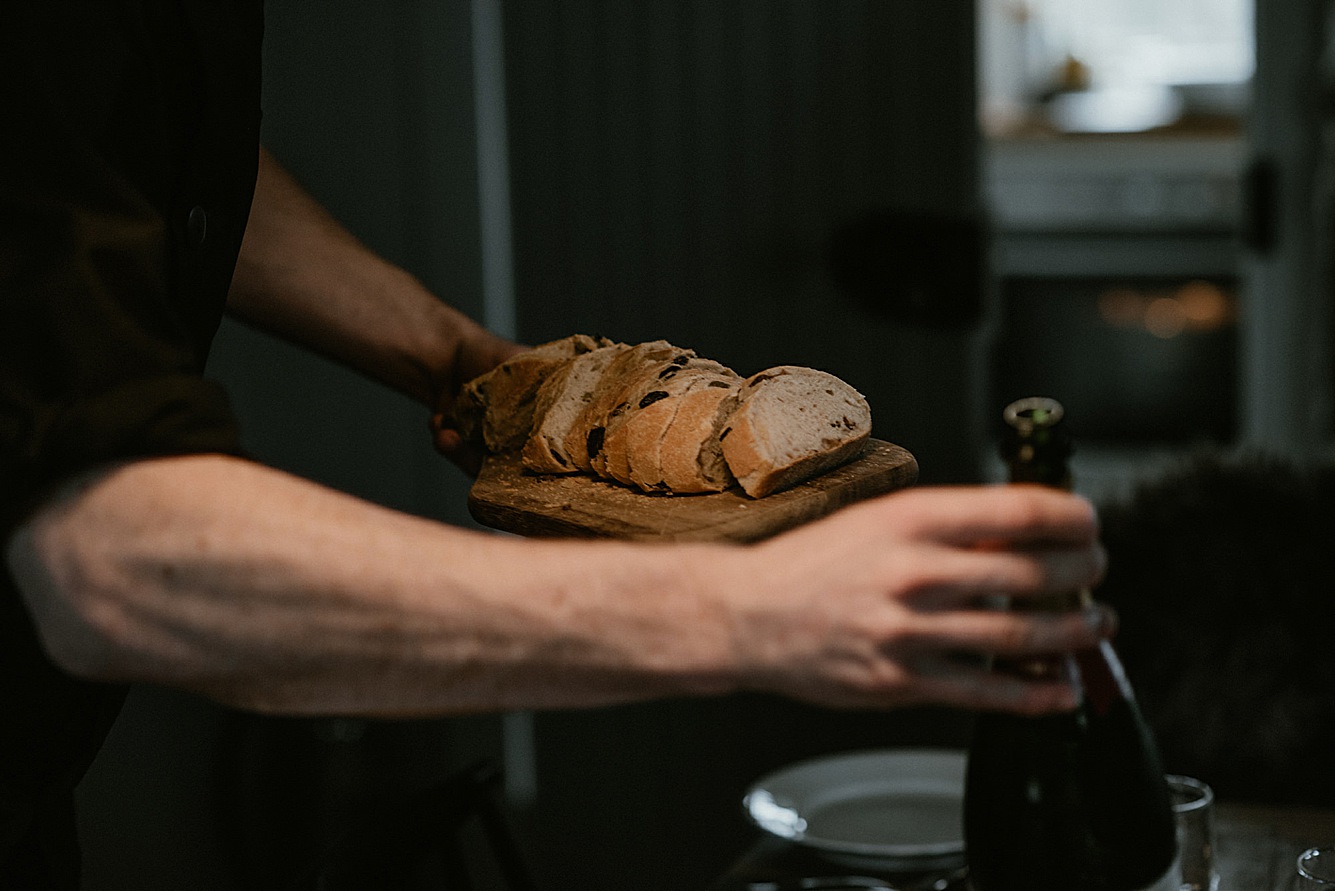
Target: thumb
(450, 443)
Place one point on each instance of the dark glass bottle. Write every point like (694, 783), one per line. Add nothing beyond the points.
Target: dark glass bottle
(1074, 801)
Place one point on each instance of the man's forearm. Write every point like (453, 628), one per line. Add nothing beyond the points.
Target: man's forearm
(304, 277)
(268, 592)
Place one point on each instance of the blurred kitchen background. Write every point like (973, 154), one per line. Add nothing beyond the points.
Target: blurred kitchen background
(1125, 204)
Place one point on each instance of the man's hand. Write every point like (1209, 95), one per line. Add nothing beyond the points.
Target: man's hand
(886, 603)
(476, 356)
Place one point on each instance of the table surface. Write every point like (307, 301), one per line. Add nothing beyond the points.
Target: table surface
(1256, 849)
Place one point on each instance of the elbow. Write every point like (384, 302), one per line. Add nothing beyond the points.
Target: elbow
(81, 653)
(83, 650)
(76, 617)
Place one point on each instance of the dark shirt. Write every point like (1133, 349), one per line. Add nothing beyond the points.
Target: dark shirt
(129, 134)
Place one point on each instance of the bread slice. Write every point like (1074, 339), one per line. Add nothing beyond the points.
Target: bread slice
(632, 435)
(561, 399)
(584, 441)
(640, 390)
(713, 465)
(791, 423)
(643, 435)
(496, 409)
(683, 465)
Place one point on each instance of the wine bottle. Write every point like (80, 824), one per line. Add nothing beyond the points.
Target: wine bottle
(1075, 801)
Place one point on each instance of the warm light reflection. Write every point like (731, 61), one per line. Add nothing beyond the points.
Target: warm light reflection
(1165, 318)
(1166, 313)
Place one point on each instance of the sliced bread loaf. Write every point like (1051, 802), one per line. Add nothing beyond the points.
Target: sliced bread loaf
(713, 465)
(660, 418)
(791, 423)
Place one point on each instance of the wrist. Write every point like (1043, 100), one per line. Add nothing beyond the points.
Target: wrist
(707, 582)
(455, 349)
(660, 615)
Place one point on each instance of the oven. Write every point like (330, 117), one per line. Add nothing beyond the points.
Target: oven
(1117, 290)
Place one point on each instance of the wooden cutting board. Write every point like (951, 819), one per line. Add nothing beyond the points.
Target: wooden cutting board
(506, 497)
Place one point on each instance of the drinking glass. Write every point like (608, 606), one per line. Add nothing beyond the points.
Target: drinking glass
(1316, 870)
(1193, 809)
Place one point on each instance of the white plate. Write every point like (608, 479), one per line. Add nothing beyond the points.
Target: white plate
(892, 807)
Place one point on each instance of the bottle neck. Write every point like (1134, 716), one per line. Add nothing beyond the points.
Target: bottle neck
(1036, 446)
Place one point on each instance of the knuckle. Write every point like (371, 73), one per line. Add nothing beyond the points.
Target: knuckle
(903, 632)
(1027, 510)
(894, 639)
(1035, 509)
(1028, 573)
(889, 680)
(918, 584)
(1016, 573)
(1018, 634)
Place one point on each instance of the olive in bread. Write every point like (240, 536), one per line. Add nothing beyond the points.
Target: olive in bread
(791, 423)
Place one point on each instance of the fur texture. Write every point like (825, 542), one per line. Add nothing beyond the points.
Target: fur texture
(1223, 573)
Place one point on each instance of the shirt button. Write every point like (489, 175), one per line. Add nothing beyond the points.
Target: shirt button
(197, 227)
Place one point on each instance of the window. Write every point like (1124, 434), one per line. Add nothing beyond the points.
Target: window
(1192, 55)
(1152, 41)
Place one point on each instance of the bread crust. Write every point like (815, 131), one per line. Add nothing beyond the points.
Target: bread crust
(557, 408)
(629, 437)
(644, 438)
(496, 409)
(585, 439)
(685, 441)
(647, 388)
(643, 441)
